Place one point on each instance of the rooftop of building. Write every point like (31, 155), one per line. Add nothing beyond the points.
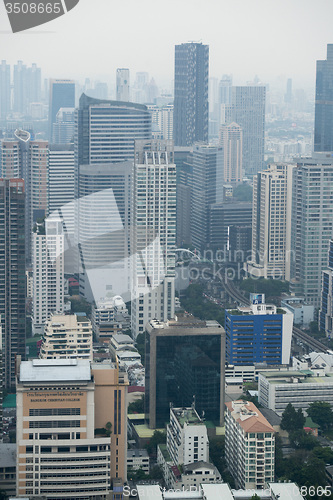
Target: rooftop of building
(7, 455)
(247, 415)
(182, 323)
(270, 415)
(67, 321)
(297, 377)
(121, 338)
(55, 370)
(198, 465)
(187, 416)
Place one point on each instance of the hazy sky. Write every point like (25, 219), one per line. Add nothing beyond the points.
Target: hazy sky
(271, 38)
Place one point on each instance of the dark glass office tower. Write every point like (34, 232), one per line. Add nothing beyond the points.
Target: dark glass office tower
(12, 275)
(185, 361)
(323, 133)
(62, 95)
(190, 123)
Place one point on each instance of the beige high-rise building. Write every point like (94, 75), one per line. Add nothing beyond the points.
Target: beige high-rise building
(271, 223)
(67, 336)
(71, 428)
(231, 140)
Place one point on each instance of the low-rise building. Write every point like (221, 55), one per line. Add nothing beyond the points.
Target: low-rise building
(319, 362)
(249, 445)
(122, 349)
(109, 317)
(138, 459)
(303, 313)
(67, 337)
(187, 439)
(8, 469)
(300, 388)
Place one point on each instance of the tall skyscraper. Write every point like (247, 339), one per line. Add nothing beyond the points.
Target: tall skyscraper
(60, 178)
(123, 84)
(191, 94)
(312, 224)
(207, 162)
(61, 95)
(48, 273)
(271, 223)
(323, 132)
(106, 131)
(39, 162)
(326, 304)
(224, 99)
(12, 275)
(4, 89)
(231, 141)
(104, 216)
(154, 233)
(248, 111)
(27, 86)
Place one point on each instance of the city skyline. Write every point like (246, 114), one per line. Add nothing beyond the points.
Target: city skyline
(246, 25)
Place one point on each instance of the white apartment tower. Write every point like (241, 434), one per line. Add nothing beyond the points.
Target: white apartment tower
(271, 223)
(153, 234)
(48, 272)
(231, 140)
(67, 337)
(249, 445)
(123, 89)
(187, 439)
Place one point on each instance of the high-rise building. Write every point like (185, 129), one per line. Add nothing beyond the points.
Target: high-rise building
(258, 334)
(60, 404)
(271, 224)
(67, 337)
(63, 128)
(162, 119)
(326, 304)
(123, 84)
(104, 217)
(38, 162)
(231, 141)
(323, 131)
(5, 97)
(248, 111)
(12, 275)
(207, 182)
(184, 170)
(60, 176)
(249, 445)
(312, 224)
(106, 131)
(62, 95)
(185, 359)
(222, 216)
(27, 86)
(48, 272)
(191, 94)
(154, 233)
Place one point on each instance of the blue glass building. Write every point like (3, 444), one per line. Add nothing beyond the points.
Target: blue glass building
(258, 334)
(326, 306)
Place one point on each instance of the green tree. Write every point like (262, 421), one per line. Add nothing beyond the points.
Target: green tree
(292, 420)
(156, 473)
(300, 439)
(137, 406)
(108, 427)
(255, 497)
(321, 413)
(158, 437)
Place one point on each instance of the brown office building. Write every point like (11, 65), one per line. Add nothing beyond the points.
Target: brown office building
(60, 405)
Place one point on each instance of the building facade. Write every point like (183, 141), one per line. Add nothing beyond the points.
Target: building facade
(249, 445)
(191, 94)
(62, 95)
(231, 141)
(186, 358)
(312, 225)
(154, 234)
(60, 403)
(123, 84)
(248, 111)
(67, 337)
(48, 272)
(12, 275)
(258, 334)
(323, 131)
(271, 223)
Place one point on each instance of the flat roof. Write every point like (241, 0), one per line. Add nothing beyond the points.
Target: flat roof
(55, 370)
(214, 491)
(286, 491)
